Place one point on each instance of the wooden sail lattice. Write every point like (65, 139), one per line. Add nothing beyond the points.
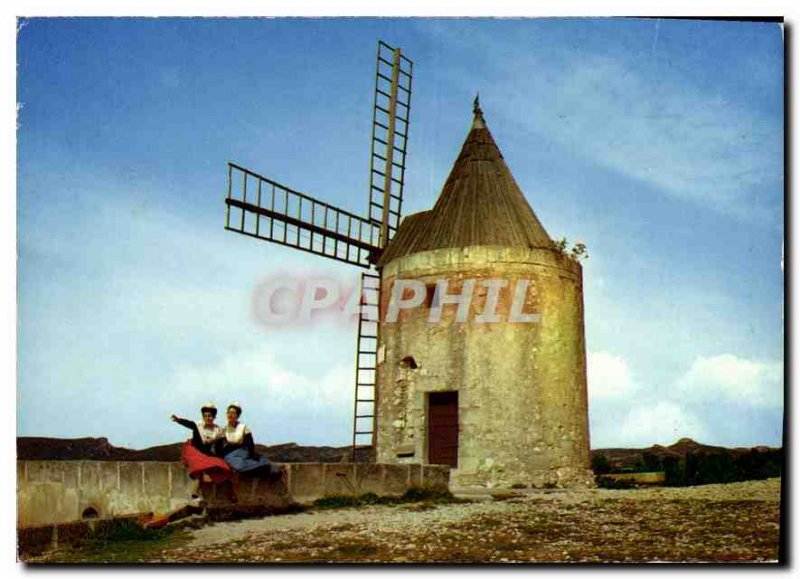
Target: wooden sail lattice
(391, 112)
(262, 208)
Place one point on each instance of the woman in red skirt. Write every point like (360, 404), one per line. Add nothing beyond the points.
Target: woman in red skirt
(198, 453)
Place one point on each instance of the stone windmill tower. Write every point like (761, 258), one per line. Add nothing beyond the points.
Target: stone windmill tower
(503, 402)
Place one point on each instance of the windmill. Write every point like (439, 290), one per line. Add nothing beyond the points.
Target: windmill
(259, 207)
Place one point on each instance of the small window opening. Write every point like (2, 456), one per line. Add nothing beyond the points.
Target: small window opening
(409, 362)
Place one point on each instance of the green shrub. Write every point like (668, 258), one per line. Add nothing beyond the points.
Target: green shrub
(126, 530)
(606, 482)
(600, 464)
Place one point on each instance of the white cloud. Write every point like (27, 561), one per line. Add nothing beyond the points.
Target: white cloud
(609, 377)
(624, 414)
(257, 374)
(280, 403)
(662, 423)
(648, 422)
(730, 378)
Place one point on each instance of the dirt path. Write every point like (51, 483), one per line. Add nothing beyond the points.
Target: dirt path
(734, 522)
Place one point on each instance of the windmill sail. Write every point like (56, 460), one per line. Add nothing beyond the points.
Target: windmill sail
(390, 123)
(260, 207)
(366, 363)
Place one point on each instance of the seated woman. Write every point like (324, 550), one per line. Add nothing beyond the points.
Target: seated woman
(237, 447)
(197, 452)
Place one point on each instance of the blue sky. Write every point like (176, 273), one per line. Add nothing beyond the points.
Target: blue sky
(658, 143)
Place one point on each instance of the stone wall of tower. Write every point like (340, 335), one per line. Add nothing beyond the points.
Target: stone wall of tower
(523, 414)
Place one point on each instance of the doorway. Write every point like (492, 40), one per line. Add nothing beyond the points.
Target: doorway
(443, 428)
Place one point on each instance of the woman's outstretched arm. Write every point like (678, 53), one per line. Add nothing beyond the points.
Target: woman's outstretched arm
(197, 440)
(183, 422)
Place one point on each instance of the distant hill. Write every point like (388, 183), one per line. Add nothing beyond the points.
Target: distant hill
(41, 448)
(688, 463)
(629, 457)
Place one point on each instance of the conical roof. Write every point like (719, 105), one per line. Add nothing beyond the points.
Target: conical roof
(480, 204)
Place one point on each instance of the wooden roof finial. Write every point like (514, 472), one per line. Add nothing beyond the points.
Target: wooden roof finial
(478, 122)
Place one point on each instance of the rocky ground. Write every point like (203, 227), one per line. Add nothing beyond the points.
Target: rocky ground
(732, 522)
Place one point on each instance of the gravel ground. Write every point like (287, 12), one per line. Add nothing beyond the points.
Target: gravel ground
(732, 522)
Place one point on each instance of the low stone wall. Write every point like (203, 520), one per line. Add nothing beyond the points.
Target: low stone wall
(309, 481)
(62, 491)
(51, 491)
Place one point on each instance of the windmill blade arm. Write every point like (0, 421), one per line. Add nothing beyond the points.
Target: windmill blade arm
(391, 112)
(260, 207)
(302, 225)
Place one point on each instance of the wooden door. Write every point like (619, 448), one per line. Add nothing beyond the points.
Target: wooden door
(443, 428)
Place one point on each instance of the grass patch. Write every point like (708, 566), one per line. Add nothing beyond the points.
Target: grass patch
(605, 482)
(127, 530)
(420, 507)
(232, 513)
(504, 496)
(355, 550)
(284, 545)
(341, 501)
(417, 494)
(125, 542)
(412, 495)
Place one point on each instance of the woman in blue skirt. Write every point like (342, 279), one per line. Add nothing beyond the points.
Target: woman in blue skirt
(237, 447)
